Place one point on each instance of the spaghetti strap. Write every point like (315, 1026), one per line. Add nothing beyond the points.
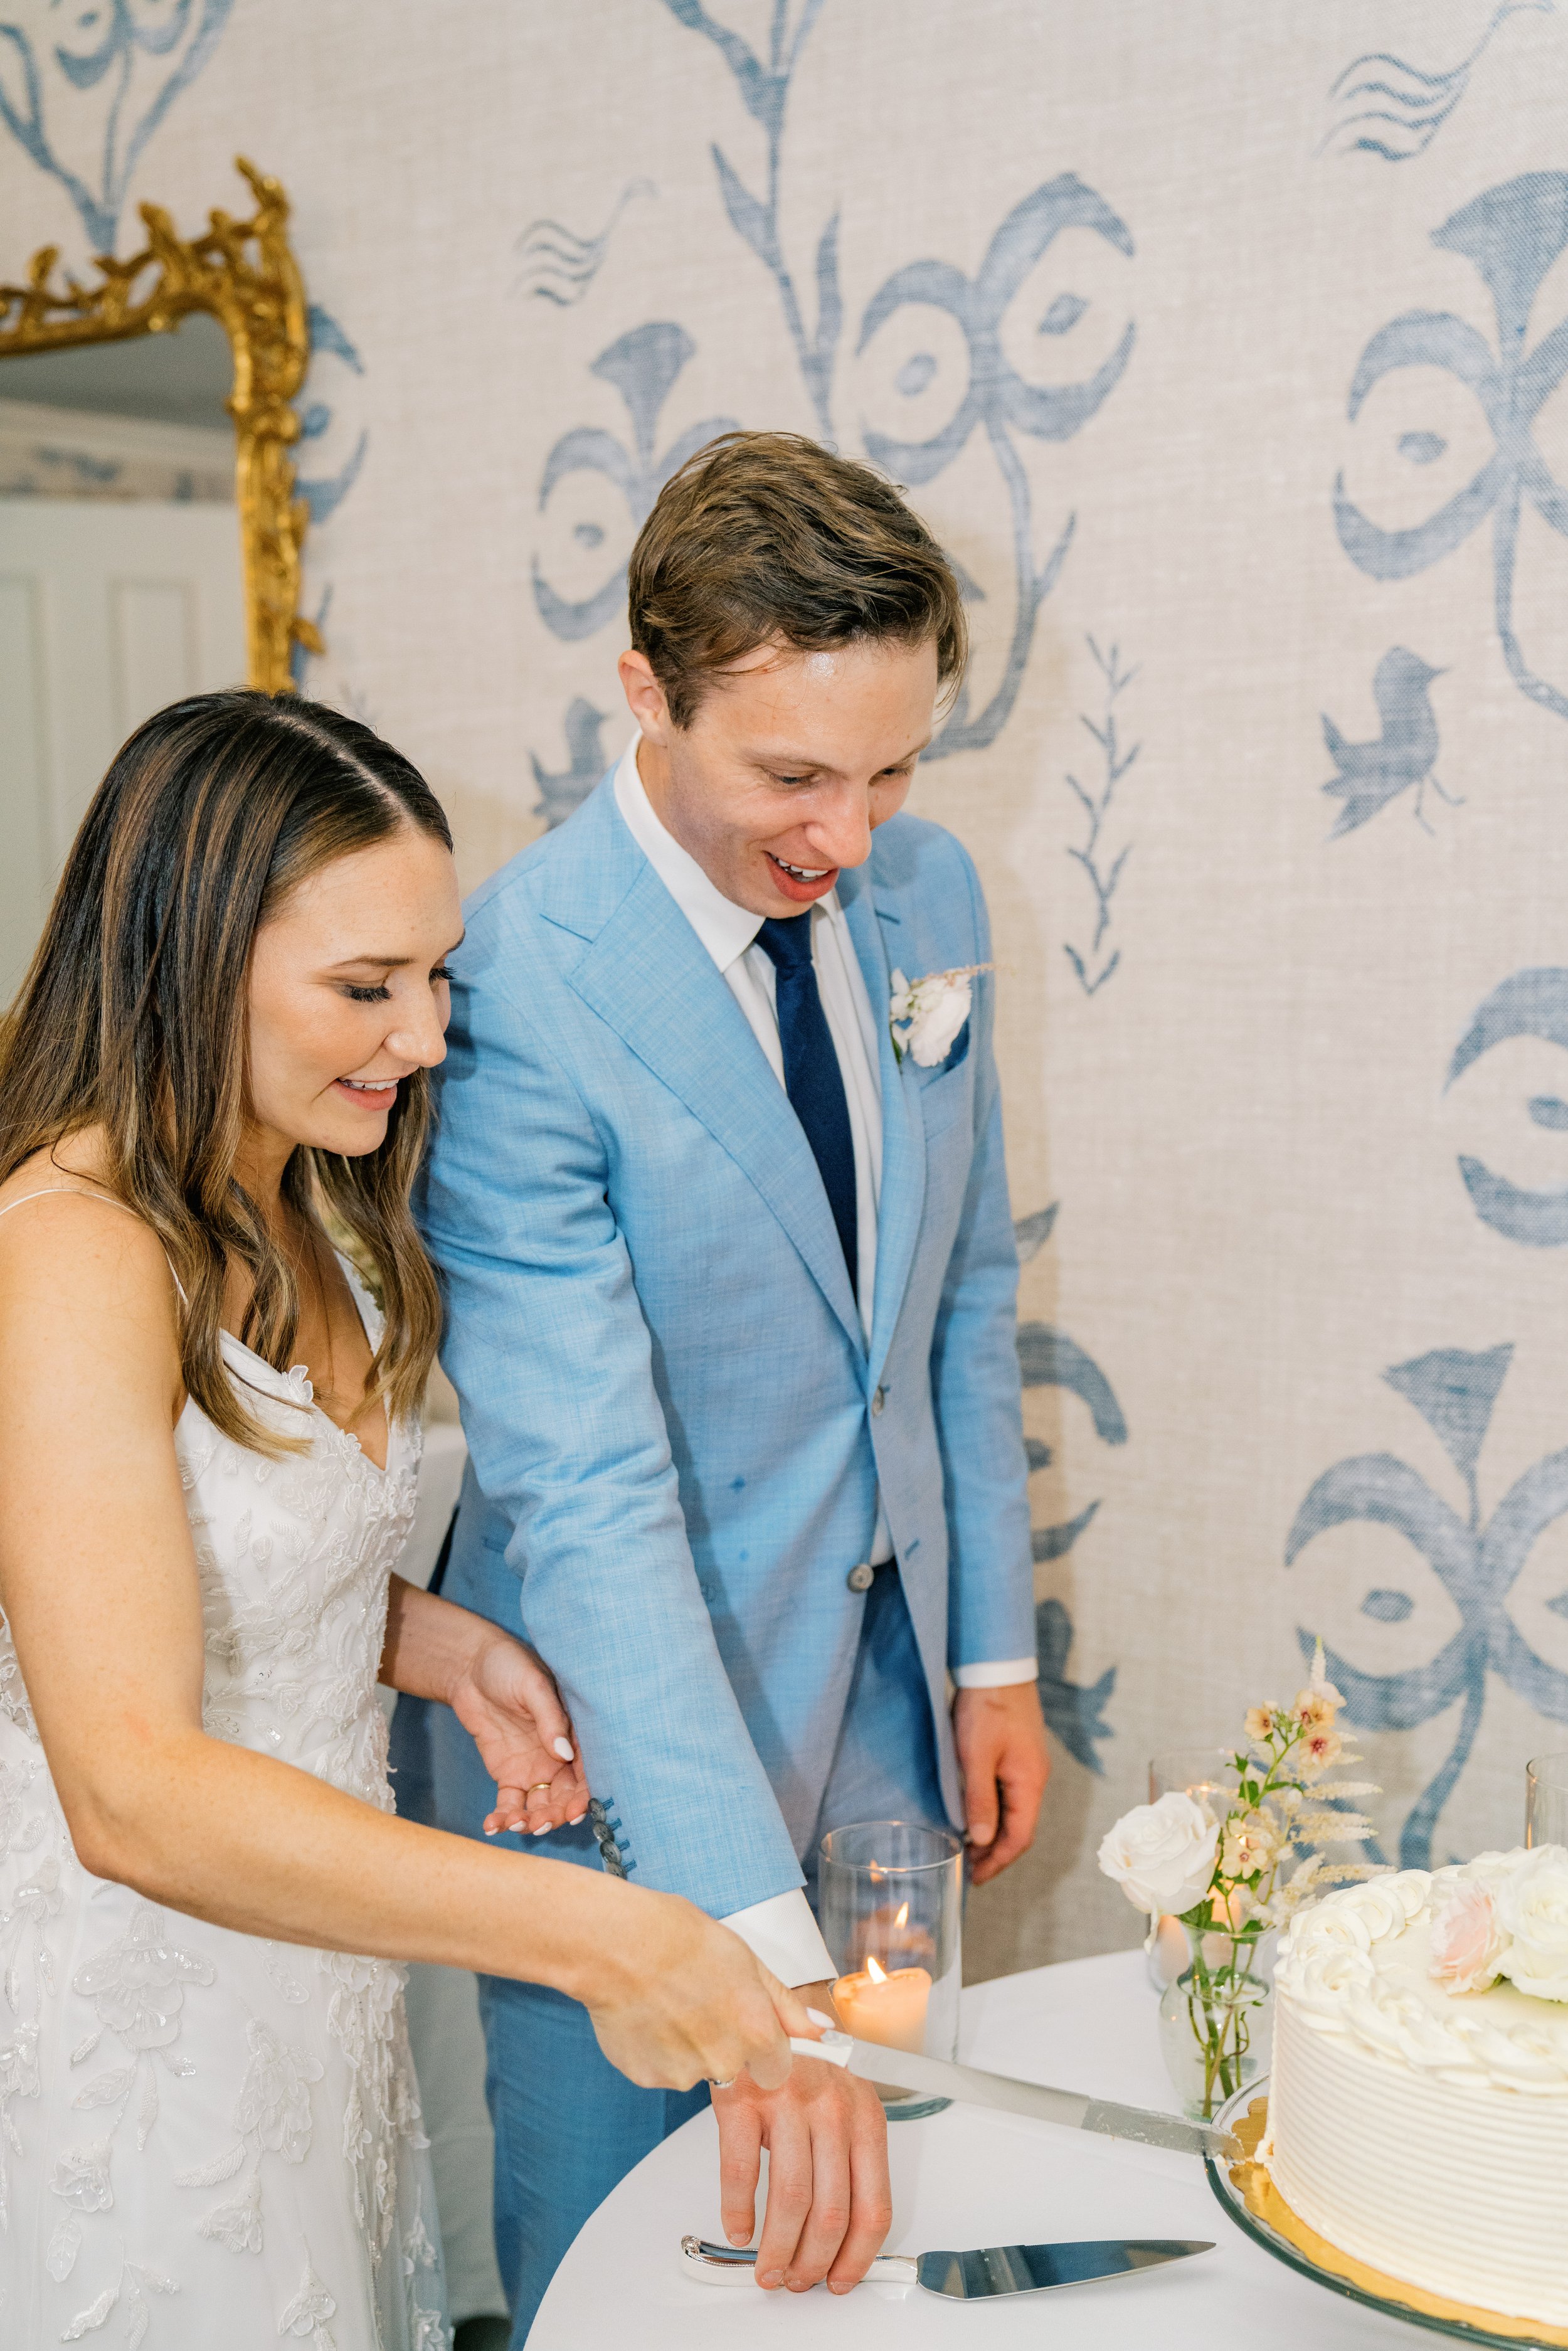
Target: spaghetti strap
(104, 1199)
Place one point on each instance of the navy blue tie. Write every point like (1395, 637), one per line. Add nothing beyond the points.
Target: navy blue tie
(812, 1079)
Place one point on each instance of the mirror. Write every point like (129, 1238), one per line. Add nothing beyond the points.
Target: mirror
(120, 578)
(148, 539)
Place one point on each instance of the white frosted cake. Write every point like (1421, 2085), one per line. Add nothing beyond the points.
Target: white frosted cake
(1418, 2098)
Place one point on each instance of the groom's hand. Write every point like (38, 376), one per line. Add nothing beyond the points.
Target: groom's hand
(829, 2204)
(1000, 1737)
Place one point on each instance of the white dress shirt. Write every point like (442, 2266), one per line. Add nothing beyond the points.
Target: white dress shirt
(782, 1931)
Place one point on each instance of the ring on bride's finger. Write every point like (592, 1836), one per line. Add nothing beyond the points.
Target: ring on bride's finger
(723, 2086)
(537, 1785)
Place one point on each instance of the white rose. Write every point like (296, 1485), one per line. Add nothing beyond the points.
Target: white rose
(927, 1014)
(1388, 1904)
(1324, 1973)
(1162, 1855)
(1490, 1866)
(1359, 1916)
(1532, 1908)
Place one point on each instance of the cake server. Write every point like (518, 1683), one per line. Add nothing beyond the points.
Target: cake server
(977, 2276)
(1069, 2108)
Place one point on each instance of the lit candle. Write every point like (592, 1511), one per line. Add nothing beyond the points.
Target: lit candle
(890, 2008)
(1171, 1953)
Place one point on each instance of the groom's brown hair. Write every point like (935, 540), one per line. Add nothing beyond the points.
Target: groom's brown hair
(768, 538)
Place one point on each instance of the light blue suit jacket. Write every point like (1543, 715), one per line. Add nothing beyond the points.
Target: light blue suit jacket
(677, 1427)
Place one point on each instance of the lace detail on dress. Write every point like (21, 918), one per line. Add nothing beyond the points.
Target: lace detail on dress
(129, 2292)
(27, 1971)
(293, 1669)
(308, 2311)
(365, 2018)
(273, 2117)
(419, 2259)
(177, 2099)
(26, 1806)
(136, 1986)
(13, 1703)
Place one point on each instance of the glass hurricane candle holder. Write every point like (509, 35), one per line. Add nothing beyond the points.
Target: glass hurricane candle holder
(890, 1901)
(1201, 1772)
(1197, 1770)
(1546, 1800)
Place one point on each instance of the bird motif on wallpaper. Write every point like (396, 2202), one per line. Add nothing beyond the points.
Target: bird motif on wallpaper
(1373, 774)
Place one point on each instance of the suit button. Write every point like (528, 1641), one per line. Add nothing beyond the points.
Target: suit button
(861, 1577)
(878, 1400)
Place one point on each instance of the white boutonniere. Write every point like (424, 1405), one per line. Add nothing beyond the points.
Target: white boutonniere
(927, 1015)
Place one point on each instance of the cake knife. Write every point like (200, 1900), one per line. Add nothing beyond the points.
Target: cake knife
(1070, 2108)
(973, 2276)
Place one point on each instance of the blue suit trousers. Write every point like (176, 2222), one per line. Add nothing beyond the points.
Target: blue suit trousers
(569, 2127)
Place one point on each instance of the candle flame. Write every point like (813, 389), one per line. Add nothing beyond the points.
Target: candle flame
(877, 1975)
(902, 1917)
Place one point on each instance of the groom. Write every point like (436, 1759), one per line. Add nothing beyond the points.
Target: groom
(730, 1292)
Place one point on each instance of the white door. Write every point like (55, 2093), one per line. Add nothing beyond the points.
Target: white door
(107, 613)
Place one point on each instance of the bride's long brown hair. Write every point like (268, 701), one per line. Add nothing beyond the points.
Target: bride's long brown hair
(133, 1019)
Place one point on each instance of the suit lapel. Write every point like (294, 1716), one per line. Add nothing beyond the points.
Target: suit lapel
(873, 922)
(648, 975)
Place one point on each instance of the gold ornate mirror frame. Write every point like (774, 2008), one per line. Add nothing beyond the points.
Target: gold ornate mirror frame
(244, 274)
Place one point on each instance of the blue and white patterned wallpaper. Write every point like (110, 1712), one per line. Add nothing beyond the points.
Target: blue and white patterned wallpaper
(83, 88)
(1226, 350)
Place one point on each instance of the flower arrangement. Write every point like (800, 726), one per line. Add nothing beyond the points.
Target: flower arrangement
(1232, 1876)
(1507, 1915)
(927, 1015)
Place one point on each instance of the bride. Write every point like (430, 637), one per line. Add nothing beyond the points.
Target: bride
(209, 2127)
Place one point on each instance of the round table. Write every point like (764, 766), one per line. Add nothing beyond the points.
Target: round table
(968, 2177)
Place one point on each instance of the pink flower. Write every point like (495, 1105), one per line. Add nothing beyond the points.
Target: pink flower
(1466, 1942)
(1319, 1749)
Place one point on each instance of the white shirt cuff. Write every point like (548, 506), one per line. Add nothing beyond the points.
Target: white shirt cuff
(996, 1677)
(785, 1936)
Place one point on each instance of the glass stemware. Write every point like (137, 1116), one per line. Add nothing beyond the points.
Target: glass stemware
(1546, 1800)
(1199, 1771)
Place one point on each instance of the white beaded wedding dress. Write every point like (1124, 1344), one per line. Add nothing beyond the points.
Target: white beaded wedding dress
(209, 2142)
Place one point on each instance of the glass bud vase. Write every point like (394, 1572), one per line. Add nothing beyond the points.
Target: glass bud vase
(1216, 2021)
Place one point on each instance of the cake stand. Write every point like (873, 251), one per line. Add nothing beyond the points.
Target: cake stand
(1252, 2203)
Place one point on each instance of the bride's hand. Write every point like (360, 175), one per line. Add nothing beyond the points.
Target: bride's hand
(689, 2003)
(508, 1702)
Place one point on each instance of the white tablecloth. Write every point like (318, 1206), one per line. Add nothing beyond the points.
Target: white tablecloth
(968, 2177)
